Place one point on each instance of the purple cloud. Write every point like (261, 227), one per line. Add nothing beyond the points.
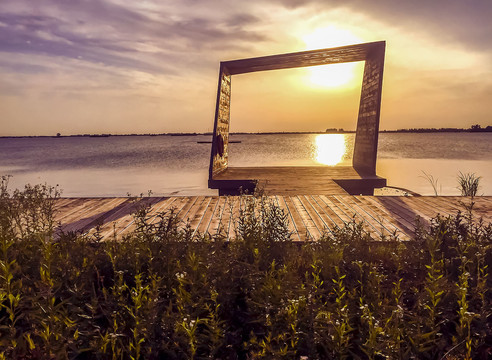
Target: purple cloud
(103, 32)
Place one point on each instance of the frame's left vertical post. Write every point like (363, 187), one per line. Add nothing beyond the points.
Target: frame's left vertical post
(220, 140)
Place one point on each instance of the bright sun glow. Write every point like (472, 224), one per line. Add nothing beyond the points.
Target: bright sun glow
(330, 148)
(332, 75)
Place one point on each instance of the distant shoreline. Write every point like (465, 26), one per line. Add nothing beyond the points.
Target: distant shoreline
(473, 129)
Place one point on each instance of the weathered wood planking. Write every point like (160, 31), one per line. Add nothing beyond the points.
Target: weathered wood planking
(348, 53)
(298, 180)
(309, 216)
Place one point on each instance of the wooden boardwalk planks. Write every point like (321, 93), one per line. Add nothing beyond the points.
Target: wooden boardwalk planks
(299, 180)
(309, 216)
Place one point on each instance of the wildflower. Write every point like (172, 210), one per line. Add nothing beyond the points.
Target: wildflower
(398, 312)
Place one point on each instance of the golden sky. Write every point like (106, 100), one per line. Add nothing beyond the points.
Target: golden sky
(121, 66)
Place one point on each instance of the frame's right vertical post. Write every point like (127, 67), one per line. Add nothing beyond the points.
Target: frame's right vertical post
(366, 138)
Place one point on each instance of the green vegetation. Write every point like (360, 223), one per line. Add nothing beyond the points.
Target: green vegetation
(161, 293)
(468, 184)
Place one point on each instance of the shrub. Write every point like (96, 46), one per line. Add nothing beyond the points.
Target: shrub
(164, 293)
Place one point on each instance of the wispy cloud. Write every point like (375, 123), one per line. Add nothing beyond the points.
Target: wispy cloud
(111, 34)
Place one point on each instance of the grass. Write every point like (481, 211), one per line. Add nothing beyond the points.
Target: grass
(162, 293)
(434, 182)
(468, 184)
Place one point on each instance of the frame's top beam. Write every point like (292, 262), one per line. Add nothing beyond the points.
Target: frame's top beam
(341, 54)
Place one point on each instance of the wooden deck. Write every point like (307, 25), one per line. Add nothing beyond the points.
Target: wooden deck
(297, 180)
(309, 215)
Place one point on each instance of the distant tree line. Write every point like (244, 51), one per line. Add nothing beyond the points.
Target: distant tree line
(473, 128)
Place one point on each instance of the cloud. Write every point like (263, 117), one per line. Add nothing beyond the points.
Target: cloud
(47, 35)
(112, 34)
(464, 22)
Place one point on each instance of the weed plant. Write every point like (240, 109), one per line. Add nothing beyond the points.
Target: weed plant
(164, 292)
(469, 184)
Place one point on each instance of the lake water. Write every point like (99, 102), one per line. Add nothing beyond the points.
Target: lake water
(178, 165)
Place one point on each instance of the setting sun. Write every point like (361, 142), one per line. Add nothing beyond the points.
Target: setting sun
(332, 75)
(330, 148)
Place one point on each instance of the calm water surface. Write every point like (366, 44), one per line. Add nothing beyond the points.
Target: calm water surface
(116, 166)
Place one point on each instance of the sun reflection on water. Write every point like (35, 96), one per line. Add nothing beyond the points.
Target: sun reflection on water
(330, 148)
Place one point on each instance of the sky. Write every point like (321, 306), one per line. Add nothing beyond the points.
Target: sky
(125, 66)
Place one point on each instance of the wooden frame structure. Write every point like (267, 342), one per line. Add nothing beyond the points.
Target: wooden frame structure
(366, 140)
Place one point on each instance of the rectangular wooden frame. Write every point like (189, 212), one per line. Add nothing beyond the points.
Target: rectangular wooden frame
(366, 140)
